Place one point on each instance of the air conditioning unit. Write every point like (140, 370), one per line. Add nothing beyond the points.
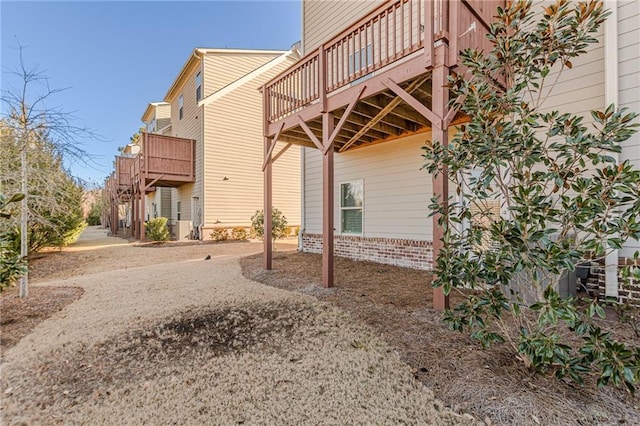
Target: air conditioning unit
(183, 230)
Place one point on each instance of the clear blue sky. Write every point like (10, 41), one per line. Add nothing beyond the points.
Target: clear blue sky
(116, 57)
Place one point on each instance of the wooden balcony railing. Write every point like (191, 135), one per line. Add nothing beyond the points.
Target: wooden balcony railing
(166, 159)
(393, 31)
(389, 33)
(123, 172)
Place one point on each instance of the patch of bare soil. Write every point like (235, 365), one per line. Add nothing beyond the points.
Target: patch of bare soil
(19, 316)
(188, 337)
(490, 384)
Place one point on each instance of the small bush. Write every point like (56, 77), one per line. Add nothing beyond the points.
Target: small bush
(278, 228)
(239, 233)
(95, 214)
(157, 229)
(12, 265)
(219, 234)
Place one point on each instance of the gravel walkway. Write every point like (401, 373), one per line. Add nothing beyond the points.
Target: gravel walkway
(183, 340)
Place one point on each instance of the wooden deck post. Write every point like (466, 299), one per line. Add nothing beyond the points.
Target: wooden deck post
(327, 200)
(440, 135)
(133, 202)
(143, 196)
(268, 205)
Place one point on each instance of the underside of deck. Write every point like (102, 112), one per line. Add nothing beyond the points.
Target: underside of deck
(384, 77)
(378, 118)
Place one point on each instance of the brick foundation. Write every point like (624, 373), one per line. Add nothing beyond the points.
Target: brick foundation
(628, 288)
(407, 253)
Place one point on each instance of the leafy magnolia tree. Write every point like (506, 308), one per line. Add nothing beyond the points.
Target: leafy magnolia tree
(278, 224)
(536, 192)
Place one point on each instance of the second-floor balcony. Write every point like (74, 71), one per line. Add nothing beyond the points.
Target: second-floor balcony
(123, 173)
(390, 50)
(163, 161)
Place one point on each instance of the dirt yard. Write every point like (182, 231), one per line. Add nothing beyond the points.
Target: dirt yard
(490, 384)
(159, 335)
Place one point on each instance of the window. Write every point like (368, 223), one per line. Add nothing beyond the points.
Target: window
(178, 210)
(198, 87)
(351, 202)
(151, 126)
(181, 107)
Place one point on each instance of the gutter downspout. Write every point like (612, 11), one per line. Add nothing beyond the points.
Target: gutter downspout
(611, 97)
(302, 198)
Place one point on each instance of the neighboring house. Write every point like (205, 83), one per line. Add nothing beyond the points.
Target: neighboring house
(369, 93)
(201, 150)
(157, 118)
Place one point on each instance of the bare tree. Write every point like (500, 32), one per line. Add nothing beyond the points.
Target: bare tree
(30, 119)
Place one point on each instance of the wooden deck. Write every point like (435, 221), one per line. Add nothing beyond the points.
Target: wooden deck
(164, 161)
(393, 46)
(382, 78)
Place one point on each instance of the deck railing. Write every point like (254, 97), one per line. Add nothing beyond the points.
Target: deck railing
(392, 31)
(123, 172)
(164, 157)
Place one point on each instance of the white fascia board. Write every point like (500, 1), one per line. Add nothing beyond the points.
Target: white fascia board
(240, 51)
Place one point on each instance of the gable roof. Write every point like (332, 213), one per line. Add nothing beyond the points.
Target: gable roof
(248, 77)
(196, 56)
(148, 113)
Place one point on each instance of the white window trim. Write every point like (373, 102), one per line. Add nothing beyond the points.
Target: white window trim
(361, 181)
(198, 86)
(180, 107)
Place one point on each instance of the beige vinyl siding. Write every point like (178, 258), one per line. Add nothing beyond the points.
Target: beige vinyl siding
(322, 19)
(222, 69)
(234, 149)
(629, 83)
(580, 89)
(189, 127)
(396, 190)
(162, 111)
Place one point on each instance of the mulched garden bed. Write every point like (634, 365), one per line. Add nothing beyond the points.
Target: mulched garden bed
(21, 315)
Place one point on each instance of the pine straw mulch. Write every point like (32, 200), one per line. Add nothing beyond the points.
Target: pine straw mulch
(490, 384)
(19, 316)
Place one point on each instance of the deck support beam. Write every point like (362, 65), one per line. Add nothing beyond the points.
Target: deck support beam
(327, 200)
(441, 181)
(143, 199)
(268, 203)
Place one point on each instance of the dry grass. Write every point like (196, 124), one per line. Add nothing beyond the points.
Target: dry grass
(177, 339)
(491, 384)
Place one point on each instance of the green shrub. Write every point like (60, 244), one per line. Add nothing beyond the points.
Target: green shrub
(278, 228)
(12, 265)
(157, 229)
(219, 234)
(239, 233)
(95, 214)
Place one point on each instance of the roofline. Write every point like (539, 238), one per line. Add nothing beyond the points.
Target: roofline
(150, 106)
(188, 64)
(197, 55)
(245, 51)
